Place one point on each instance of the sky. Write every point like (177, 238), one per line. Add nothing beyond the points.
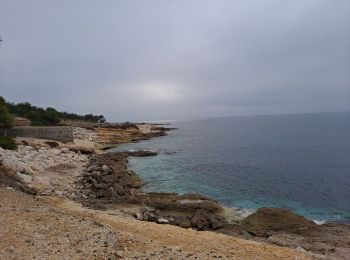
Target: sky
(155, 59)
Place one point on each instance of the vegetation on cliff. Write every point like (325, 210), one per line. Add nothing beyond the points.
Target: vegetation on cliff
(40, 116)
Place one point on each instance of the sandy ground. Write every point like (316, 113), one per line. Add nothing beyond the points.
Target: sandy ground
(55, 228)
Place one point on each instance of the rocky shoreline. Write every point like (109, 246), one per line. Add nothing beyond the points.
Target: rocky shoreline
(102, 181)
(270, 225)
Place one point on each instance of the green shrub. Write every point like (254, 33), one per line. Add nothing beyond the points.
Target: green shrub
(8, 143)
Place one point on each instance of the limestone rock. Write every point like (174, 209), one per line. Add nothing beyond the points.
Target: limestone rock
(25, 178)
(162, 221)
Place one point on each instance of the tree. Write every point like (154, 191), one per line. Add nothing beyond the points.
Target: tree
(6, 119)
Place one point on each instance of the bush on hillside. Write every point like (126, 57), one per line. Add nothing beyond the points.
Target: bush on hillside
(49, 116)
(7, 143)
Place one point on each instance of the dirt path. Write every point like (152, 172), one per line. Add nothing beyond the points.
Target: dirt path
(56, 228)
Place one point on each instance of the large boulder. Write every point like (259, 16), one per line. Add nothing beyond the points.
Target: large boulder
(266, 221)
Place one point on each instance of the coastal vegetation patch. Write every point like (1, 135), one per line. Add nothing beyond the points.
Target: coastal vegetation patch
(7, 143)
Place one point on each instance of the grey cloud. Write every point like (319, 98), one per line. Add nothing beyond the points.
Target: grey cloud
(127, 59)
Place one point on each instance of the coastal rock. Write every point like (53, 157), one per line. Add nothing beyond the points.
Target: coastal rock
(268, 220)
(107, 177)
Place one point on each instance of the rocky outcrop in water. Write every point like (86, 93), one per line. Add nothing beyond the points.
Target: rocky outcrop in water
(107, 180)
(266, 221)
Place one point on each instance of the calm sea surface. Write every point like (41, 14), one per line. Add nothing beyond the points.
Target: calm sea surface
(299, 162)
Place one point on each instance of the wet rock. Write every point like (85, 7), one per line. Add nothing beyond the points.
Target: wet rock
(142, 153)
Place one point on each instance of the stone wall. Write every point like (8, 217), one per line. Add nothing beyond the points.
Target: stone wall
(59, 133)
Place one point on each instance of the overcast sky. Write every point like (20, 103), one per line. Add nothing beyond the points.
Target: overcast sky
(156, 59)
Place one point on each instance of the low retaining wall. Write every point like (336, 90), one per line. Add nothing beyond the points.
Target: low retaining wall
(63, 134)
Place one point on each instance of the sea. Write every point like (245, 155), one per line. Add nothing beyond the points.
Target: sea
(299, 162)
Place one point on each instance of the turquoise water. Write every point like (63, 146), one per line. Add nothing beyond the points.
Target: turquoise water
(299, 162)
